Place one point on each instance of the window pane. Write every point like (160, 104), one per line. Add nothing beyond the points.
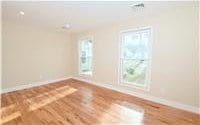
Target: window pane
(86, 67)
(86, 57)
(130, 48)
(134, 71)
(135, 45)
(135, 48)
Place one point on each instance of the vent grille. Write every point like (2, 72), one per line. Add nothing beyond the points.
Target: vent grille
(137, 6)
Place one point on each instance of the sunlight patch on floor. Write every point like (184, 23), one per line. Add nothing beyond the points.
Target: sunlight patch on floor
(49, 97)
(6, 108)
(10, 117)
(34, 103)
(6, 113)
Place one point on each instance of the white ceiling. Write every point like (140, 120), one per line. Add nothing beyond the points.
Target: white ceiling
(80, 15)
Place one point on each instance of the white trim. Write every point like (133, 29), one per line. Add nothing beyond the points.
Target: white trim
(79, 61)
(144, 96)
(148, 72)
(33, 84)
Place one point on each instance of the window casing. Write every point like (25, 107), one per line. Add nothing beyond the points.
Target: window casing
(85, 57)
(135, 58)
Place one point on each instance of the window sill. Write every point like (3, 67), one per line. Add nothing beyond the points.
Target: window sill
(85, 75)
(134, 86)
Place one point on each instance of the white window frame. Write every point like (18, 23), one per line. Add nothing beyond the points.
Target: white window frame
(148, 72)
(79, 57)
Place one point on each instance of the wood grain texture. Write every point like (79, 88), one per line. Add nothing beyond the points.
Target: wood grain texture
(76, 102)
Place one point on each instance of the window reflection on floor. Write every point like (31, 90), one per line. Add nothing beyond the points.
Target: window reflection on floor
(124, 115)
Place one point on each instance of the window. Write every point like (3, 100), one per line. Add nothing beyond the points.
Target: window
(85, 55)
(135, 58)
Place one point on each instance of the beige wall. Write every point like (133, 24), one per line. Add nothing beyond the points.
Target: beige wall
(32, 54)
(174, 74)
(0, 47)
(199, 55)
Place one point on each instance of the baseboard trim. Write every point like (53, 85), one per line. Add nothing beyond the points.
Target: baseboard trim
(33, 84)
(144, 96)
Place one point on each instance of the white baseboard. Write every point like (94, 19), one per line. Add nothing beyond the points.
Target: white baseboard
(34, 84)
(144, 96)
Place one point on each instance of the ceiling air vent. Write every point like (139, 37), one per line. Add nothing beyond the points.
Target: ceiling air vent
(137, 6)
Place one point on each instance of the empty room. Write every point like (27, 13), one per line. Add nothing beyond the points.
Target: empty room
(100, 63)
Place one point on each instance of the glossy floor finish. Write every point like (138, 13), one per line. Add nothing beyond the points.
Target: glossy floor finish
(75, 102)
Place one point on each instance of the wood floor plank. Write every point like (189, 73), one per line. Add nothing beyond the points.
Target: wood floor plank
(75, 102)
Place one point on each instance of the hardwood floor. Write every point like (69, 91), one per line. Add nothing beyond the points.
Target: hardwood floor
(75, 102)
